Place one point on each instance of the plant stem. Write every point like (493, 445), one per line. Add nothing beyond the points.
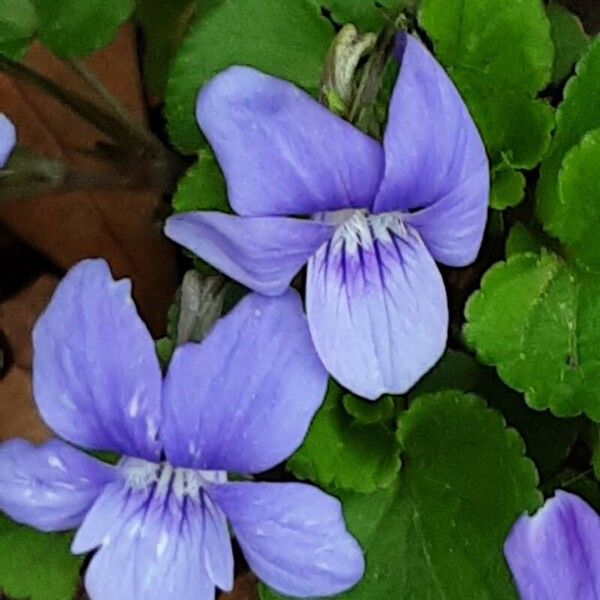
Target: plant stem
(135, 146)
(368, 88)
(114, 105)
(101, 119)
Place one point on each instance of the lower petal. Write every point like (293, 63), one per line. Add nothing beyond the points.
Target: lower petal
(158, 545)
(293, 536)
(262, 253)
(49, 487)
(556, 553)
(376, 306)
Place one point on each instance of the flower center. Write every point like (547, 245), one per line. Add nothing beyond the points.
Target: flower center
(164, 479)
(357, 229)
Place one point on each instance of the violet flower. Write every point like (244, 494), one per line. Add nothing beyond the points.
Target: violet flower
(381, 215)
(241, 401)
(8, 139)
(555, 555)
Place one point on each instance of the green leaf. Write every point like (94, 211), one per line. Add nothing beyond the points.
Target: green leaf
(508, 189)
(367, 412)
(18, 24)
(364, 14)
(164, 25)
(570, 40)
(481, 43)
(438, 531)
(524, 239)
(74, 28)
(285, 39)
(548, 439)
(536, 318)
(575, 219)
(37, 566)
(342, 454)
(202, 187)
(578, 113)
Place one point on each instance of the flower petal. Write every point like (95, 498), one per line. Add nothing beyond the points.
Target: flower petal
(242, 400)
(49, 487)
(293, 536)
(283, 153)
(8, 139)
(153, 541)
(434, 154)
(376, 306)
(556, 553)
(263, 253)
(96, 378)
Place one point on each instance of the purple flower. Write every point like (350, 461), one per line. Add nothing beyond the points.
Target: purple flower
(555, 555)
(241, 401)
(381, 215)
(8, 139)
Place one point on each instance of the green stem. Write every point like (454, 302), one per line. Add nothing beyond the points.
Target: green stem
(103, 120)
(136, 147)
(114, 105)
(368, 88)
(28, 175)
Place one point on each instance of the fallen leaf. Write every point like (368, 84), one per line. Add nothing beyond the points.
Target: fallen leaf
(244, 589)
(18, 413)
(119, 225)
(18, 316)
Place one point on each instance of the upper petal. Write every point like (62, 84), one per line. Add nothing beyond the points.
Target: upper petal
(8, 138)
(556, 553)
(376, 306)
(151, 546)
(49, 487)
(293, 536)
(283, 153)
(434, 154)
(263, 253)
(96, 377)
(243, 399)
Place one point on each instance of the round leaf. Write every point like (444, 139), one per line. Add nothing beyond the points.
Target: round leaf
(537, 320)
(578, 114)
(576, 218)
(72, 28)
(285, 39)
(438, 531)
(35, 565)
(18, 24)
(202, 187)
(480, 43)
(342, 454)
(570, 40)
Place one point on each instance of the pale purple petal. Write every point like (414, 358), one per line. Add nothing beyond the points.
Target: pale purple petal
(151, 546)
(556, 553)
(8, 139)
(376, 306)
(49, 487)
(293, 536)
(434, 154)
(242, 400)
(451, 230)
(263, 253)
(96, 378)
(283, 153)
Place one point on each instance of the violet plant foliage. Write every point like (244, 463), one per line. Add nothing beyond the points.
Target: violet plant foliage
(556, 553)
(241, 401)
(381, 215)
